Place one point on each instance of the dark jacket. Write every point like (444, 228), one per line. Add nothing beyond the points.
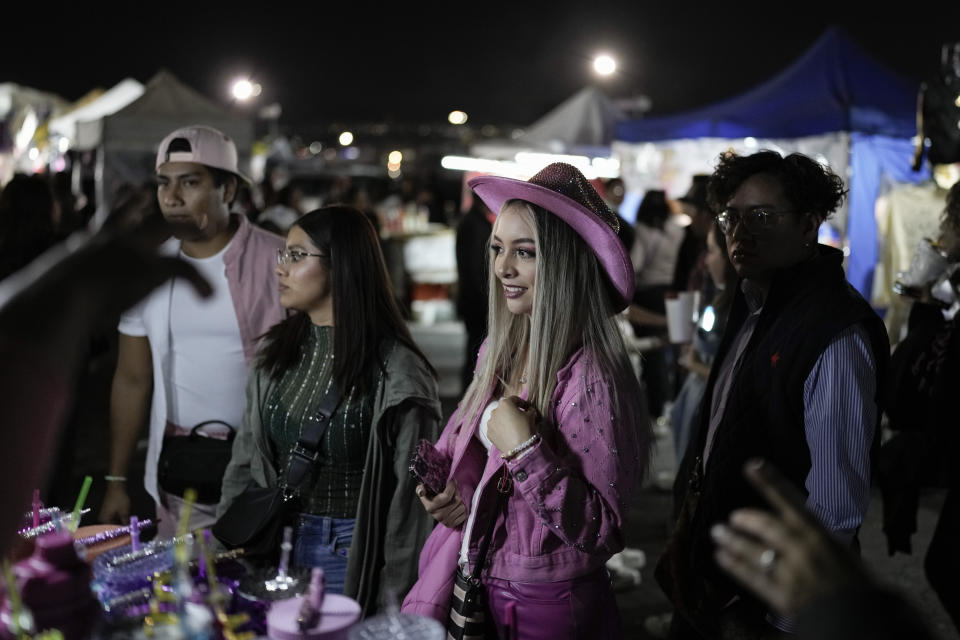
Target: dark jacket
(808, 305)
(924, 374)
(391, 526)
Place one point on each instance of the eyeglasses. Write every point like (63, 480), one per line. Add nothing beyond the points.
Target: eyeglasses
(753, 220)
(285, 256)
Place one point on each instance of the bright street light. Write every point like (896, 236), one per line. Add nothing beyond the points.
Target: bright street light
(457, 117)
(604, 64)
(244, 89)
(346, 139)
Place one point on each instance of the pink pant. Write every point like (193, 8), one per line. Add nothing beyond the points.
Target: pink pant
(580, 608)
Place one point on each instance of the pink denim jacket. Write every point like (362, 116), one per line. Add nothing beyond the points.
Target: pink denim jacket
(564, 517)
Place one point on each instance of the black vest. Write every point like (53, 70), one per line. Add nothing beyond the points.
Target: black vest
(808, 305)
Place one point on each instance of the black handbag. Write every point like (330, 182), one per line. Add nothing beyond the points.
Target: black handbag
(254, 521)
(468, 606)
(195, 461)
(255, 518)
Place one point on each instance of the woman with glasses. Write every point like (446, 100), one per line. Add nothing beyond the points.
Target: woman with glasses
(358, 518)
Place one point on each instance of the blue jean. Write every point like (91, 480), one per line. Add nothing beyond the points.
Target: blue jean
(324, 542)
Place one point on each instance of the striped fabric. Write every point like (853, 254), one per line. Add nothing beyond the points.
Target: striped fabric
(840, 416)
(467, 610)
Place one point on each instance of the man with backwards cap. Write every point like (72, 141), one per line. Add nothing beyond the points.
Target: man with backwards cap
(193, 353)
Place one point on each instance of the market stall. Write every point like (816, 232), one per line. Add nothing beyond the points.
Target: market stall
(834, 103)
(23, 110)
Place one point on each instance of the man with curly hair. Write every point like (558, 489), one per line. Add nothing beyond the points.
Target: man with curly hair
(795, 382)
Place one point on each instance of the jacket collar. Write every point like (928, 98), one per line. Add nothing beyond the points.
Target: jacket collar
(825, 263)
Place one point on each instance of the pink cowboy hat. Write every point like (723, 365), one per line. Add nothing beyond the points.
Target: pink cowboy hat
(563, 191)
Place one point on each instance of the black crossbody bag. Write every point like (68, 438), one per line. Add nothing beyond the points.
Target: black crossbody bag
(256, 517)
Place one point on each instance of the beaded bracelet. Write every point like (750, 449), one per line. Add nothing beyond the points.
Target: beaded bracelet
(523, 446)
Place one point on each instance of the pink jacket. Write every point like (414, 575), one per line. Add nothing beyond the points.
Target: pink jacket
(564, 517)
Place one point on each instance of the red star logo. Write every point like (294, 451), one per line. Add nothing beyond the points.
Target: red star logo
(774, 359)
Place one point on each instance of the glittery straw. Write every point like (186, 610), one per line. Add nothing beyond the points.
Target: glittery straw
(138, 596)
(32, 532)
(119, 532)
(147, 550)
(45, 513)
(81, 499)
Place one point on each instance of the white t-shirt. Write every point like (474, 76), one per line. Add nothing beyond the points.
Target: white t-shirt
(208, 371)
(654, 252)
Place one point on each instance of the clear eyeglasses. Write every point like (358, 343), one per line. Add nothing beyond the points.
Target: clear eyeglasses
(285, 256)
(753, 220)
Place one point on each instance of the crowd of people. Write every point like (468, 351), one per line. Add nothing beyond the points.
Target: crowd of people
(295, 353)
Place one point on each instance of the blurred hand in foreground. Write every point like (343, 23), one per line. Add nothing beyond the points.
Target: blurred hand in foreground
(786, 558)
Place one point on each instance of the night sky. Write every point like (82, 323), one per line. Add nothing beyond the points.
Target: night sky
(502, 63)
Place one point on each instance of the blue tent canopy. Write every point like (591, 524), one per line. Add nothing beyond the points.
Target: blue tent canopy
(835, 86)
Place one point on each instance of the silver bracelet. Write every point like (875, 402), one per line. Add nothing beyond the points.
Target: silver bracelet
(523, 446)
(115, 478)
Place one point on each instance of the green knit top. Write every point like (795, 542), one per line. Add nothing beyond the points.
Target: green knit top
(332, 488)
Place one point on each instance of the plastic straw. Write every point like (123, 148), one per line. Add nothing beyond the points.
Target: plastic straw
(81, 499)
(13, 591)
(36, 507)
(134, 533)
(180, 549)
(202, 541)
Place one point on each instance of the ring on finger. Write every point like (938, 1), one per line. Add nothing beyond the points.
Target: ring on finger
(768, 559)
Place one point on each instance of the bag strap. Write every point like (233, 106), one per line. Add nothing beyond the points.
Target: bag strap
(194, 434)
(504, 485)
(304, 453)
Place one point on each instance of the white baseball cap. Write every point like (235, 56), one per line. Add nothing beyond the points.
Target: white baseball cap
(203, 145)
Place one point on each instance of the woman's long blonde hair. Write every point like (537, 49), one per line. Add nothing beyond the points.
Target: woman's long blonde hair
(571, 308)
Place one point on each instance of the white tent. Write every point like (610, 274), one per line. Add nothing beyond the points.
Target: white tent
(127, 140)
(14, 98)
(586, 119)
(109, 102)
(579, 131)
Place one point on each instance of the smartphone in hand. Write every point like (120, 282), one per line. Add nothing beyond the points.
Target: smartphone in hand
(430, 468)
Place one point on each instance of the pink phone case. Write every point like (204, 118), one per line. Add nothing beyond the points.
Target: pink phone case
(430, 467)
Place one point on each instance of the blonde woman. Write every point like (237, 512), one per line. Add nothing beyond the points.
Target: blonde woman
(554, 408)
